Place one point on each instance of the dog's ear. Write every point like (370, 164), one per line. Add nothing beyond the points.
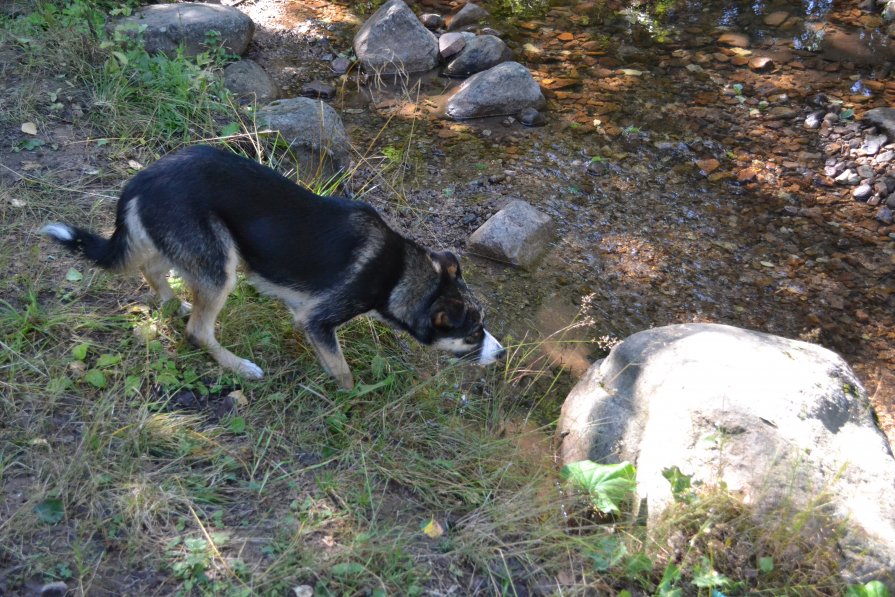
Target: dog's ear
(446, 262)
(449, 314)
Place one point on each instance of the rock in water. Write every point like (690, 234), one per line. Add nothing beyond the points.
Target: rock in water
(393, 41)
(450, 44)
(470, 14)
(478, 54)
(794, 418)
(166, 26)
(505, 89)
(883, 118)
(247, 79)
(314, 132)
(518, 234)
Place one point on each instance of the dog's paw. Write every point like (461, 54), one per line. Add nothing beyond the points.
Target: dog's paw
(248, 369)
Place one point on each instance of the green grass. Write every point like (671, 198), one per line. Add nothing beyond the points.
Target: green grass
(129, 459)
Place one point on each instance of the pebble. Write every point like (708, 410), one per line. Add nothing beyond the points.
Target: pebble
(431, 21)
(340, 65)
(885, 157)
(813, 120)
(737, 40)
(848, 177)
(54, 589)
(865, 171)
(775, 19)
(862, 192)
(884, 216)
(872, 144)
(318, 89)
(761, 64)
(890, 201)
(531, 117)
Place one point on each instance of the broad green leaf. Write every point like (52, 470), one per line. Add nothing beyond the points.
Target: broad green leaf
(874, 588)
(680, 483)
(607, 484)
(766, 564)
(96, 378)
(108, 360)
(50, 510)
(74, 275)
(79, 352)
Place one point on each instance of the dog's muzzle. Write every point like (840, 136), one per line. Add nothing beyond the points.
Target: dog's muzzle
(491, 350)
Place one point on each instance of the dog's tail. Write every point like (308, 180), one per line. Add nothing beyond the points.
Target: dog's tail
(108, 253)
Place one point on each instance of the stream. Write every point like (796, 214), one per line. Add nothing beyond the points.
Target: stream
(676, 163)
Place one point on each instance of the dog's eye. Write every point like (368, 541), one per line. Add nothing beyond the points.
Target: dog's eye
(475, 337)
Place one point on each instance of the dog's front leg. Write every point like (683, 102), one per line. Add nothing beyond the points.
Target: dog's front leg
(326, 344)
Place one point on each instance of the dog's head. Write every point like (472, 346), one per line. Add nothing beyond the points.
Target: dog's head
(457, 317)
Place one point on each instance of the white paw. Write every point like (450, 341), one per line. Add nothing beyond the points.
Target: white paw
(248, 369)
(184, 308)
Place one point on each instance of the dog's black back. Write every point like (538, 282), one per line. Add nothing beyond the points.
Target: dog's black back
(204, 211)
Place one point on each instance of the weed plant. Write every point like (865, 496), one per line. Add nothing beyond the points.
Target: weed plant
(130, 463)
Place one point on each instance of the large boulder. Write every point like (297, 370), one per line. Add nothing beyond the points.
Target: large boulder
(507, 88)
(772, 419)
(314, 132)
(248, 80)
(393, 41)
(167, 26)
(479, 53)
(518, 234)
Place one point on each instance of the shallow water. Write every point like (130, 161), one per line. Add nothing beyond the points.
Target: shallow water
(708, 201)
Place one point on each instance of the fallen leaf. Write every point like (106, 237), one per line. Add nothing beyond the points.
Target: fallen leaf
(29, 128)
(135, 164)
(432, 529)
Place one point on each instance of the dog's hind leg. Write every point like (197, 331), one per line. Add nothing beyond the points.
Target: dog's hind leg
(155, 271)
(326, 344)
(208, 300)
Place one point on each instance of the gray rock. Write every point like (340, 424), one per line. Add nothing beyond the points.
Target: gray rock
(848, 177)
(54, 589)
(813, 120)
(872, 144)
(531, 117)
(890, 201)
(314, 132)
(431, 21)
(507, 88)
(864, 171)
(883, 118)
(479, 53)
(247, 79)
(889, 11)
(862, 192)
(470, 14)
(393, 41)
(885, 157)
(340, 65)
(450, 44)
(884, 215)
(772, 419)
(318, 89)
(518, 234)
(188, 23)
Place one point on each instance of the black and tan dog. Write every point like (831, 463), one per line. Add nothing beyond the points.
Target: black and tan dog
(203, 212)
